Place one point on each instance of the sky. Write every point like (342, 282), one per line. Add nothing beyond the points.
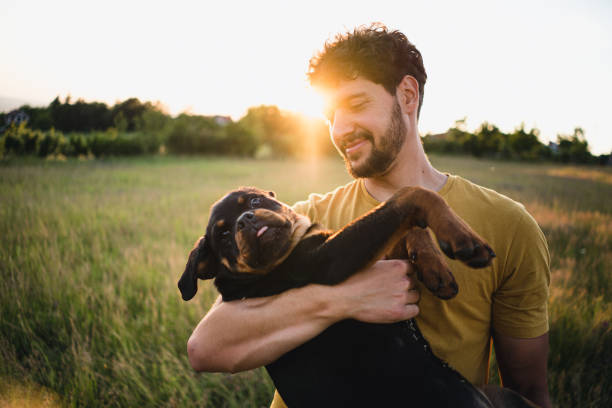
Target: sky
(547, 64)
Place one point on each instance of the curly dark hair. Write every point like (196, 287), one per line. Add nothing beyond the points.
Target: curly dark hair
(373, 52)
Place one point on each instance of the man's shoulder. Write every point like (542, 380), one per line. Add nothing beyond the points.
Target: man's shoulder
(337, 207)
(465, 196)
(348, 188)
(504, 222)
(496, 217)
(317, 200)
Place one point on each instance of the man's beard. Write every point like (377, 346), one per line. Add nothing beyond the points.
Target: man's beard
(381, 157)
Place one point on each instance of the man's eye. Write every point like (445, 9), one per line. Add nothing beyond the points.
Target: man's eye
(358, 106)
(255, 202)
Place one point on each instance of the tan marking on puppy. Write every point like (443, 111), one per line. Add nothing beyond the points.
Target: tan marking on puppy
(298, 232)
(200, 267)
(220, 223)
(225, 263)
(300, 225)
(313, 231)
(269, 217)
(242, 267)
(241, 200)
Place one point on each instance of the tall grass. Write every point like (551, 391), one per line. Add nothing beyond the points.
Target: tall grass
(91, 252)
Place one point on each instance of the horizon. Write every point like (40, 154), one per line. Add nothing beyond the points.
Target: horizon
(551, 74)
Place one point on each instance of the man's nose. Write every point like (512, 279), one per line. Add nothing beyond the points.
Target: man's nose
(341, 126)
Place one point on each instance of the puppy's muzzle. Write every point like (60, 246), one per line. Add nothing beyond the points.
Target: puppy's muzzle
(247, 219)
(261, 218)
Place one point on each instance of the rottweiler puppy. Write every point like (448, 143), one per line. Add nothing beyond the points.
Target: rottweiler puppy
(257, 246)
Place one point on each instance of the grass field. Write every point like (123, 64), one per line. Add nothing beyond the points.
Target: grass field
(91, 252)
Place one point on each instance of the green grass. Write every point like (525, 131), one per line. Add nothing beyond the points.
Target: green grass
(91, 252)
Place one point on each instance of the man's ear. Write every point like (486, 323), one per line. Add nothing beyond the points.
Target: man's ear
(199, 265)
(408, 94)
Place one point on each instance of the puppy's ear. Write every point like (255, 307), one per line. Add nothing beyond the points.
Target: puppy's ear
(272, 194)
(199, 265)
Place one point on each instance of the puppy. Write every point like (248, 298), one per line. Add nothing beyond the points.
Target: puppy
(256, 246)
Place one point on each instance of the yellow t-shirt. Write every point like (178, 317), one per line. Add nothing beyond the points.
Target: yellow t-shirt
(510, 296)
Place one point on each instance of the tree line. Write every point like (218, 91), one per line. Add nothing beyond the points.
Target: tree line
(521, 144)
(131, 127)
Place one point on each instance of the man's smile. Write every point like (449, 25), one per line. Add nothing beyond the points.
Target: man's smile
(355, 142)
(354, 145)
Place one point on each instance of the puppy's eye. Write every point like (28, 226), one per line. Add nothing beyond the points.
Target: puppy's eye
(255, 202)
(225, 235)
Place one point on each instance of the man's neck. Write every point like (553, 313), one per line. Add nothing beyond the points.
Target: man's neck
(410, 169)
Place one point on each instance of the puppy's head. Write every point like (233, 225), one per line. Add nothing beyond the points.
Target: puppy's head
(249, 232)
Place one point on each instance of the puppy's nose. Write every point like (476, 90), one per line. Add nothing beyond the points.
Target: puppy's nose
(245, 219)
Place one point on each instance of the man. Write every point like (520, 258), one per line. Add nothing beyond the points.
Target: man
(374, 79)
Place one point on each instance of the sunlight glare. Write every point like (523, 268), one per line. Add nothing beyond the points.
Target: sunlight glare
(307, 101)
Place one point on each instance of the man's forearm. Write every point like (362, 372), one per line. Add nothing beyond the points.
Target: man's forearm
(244, 334)
(523, 366)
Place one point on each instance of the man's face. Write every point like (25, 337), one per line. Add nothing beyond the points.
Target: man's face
(366, 126)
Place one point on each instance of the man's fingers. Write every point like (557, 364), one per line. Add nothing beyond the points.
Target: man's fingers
(411, 282)
(410, 270)
(411, 311)
(397, 265)
(386, 293)
(412, 296)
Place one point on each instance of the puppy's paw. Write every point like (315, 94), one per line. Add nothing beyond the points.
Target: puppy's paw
(468, 248)
(435, 274)
(458, 241)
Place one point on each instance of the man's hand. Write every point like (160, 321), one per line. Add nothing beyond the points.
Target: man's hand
(245, 334)
(383, 293)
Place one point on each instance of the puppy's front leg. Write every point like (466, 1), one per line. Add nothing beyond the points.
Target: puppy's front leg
(431, 269)
(361, 243)
(371, 236)
(422, 207)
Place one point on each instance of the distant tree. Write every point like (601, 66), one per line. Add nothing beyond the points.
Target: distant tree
(237, 140)
(525, 144)
(574, 148)
(128, 113)
(193, 134)
(155, 123)
(78, 117)
(458, 140)
(489, 139)
(270, 126)
(287, 133)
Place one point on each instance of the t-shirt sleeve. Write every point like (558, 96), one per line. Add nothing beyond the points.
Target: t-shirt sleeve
(301, 207)
(308, 207)
(520, 304)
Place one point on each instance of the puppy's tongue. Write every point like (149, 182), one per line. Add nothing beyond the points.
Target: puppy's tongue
(261, 231)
